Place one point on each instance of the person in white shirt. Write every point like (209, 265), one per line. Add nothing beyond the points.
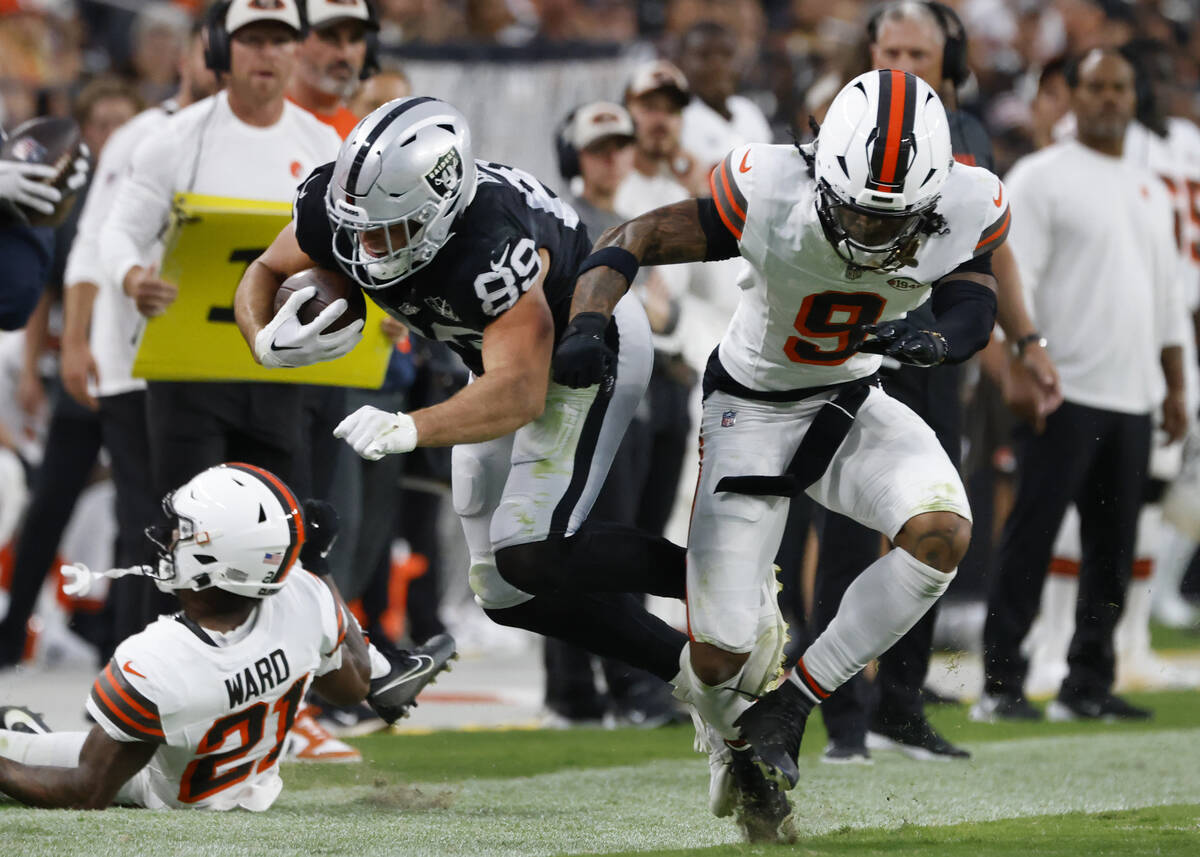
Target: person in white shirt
(717, 119)
(247, 142)
(1092, 234)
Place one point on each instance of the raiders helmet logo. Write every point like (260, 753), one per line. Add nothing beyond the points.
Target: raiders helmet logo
(446, 175)
(904, 284)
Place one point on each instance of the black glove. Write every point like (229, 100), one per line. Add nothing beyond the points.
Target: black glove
(321, 529)
(582, 357)
(902, 340)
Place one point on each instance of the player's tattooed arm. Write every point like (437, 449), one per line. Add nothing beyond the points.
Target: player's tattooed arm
(104, 766)
(669, 235)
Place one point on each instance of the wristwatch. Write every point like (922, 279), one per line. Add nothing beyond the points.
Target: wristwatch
(1029, 339)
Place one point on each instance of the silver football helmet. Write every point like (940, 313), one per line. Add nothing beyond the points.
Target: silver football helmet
(401, 178)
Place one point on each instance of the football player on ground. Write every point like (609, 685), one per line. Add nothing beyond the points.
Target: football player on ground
(484, 257)
(195, 710)
(839, 242)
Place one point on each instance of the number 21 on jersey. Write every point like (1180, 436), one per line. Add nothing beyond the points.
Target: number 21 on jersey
(830, 319)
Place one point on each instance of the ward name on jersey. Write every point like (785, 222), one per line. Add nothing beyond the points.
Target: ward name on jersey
(220, 712)
(793, 327)
(490, 260)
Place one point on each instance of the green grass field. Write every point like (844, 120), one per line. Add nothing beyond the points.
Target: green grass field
(1045, 789)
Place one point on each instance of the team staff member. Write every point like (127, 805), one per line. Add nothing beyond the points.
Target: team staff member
(1094, 236)
(926, 39)
(247, 141)
(333, 59)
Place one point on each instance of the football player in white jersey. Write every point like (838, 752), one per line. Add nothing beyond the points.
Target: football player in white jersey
(839, 243)
(194, 710)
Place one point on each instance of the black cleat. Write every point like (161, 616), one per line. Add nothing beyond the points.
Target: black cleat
(16, 718)
(1094, 706)
(915, 738)
(774, 726)
(761, 808)
(392, 695)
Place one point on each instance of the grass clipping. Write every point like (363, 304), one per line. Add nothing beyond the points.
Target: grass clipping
(408, 798)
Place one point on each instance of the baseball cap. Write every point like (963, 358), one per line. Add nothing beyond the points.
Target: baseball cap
(321, 13)
(657, 75)
(243, 12)
(598, 120)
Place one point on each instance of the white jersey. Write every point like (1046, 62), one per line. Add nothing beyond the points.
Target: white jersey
(220, 713)
(116, 322)
(206, 149)
(1176, 160)
(792, 326)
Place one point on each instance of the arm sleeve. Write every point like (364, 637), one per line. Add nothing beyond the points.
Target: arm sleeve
(142, 206)
(965, 310)
(121, 703)
(310, 221)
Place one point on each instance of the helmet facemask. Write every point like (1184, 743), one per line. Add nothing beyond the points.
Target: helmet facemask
(869, 238)
(170, 533)
(380, 253)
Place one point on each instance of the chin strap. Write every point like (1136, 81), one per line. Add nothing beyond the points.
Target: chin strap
(78, 578)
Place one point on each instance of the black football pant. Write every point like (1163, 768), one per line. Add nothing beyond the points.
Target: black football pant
(72, 445)
(847, 548)
(1098, 460)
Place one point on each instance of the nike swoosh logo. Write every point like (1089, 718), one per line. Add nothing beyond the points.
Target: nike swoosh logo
(126, 666)
(743, 167)
(425, 665)
(275, 347)
(999, 196)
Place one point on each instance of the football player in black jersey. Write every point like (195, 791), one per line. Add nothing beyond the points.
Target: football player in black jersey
(483, 257)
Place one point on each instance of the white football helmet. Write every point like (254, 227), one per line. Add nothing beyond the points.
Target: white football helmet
(882, 157)
(235, 526)
(401, 178)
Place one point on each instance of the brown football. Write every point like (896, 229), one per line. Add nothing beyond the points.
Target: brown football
(56, 142)
(331, 285)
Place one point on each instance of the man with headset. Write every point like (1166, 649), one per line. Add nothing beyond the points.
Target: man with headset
(340, 50)
(249, 142)
(928, 40)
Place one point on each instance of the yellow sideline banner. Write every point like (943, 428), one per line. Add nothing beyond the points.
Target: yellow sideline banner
(210, 243)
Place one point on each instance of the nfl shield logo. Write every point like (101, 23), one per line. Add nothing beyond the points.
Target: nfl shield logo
(728, 418)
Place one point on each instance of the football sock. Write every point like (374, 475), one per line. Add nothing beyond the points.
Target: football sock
(718, 704)
(607, 624)
(55, 749)
(379, 664)
(878, 609)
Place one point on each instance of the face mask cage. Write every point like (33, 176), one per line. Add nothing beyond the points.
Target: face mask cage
(397, 248)
(166, 536)
(868, 238)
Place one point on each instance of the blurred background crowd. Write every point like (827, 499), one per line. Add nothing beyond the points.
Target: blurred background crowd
(517, 69)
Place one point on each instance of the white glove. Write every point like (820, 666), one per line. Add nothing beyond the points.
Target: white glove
(285, 342)
(26, 184)
(374, 433)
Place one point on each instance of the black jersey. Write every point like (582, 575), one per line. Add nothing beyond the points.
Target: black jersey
(490, 260)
